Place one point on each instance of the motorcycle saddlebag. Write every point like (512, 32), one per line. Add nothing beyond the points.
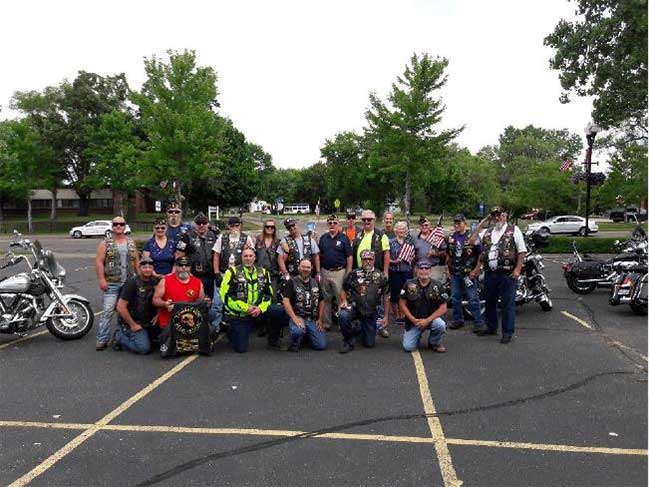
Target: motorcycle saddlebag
(587, 270)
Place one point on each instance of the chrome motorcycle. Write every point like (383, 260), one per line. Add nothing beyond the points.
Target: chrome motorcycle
(630, 287)
(32, 299)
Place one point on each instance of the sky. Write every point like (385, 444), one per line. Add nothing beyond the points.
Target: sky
(294, 73)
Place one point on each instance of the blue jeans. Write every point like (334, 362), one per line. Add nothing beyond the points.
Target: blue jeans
(318, 338)
(107, 311)
(366, 327)
(500, 284)
(134, 341)
(380, 313)
(241, 327)
(458, 289)
(215, 314)
(412, 336)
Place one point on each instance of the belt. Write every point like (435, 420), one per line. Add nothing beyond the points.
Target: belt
(334, 269)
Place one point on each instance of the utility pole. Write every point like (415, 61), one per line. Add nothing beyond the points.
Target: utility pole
(591, 132)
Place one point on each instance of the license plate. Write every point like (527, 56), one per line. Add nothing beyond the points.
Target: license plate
(623, 292)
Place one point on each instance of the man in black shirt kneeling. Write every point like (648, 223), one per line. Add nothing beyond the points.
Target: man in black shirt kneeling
(136, 312)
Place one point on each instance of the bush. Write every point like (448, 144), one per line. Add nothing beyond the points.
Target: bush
(592, 245)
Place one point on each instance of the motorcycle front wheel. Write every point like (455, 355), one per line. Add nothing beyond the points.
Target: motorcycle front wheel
(74, 327)
(638, 308)
(579, 288)
(546, 304)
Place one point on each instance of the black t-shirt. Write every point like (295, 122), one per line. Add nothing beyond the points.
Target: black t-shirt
(366, 290)
(289, 291)
(138, 293)
(422, 301)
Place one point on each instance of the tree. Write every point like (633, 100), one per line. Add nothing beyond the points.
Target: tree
(176, 105)
(13, 187)
(347, 172)
(604, 54)
(66, 115)
(627, 176)
(401, 134)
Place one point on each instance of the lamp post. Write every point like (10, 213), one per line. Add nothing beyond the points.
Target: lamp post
(591, 131)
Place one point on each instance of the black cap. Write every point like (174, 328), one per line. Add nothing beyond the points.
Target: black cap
(423, 219)
(146, 261)
(183, 260)
(201, 218)
(234, 220)
(159, 221)
(173, 205)
(496, 209)
(351, 214)
(424, 264)
(459, 217)
(289, 222)
(332, 218)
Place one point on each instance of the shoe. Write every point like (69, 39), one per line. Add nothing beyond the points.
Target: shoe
(278, 345)
(506, 338)
(439, 348)
(101, 346)
(114, 344)
(346, 347)
(482, 333)
(456, 325)
(477, 329)
(384, 333)
(293, 347)
(261, 331)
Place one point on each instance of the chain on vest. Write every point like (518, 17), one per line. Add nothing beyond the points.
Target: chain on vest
(227, 252)
(307, 297)
(238, 289)
(293, 257)
(375, 247)
(507, 254)
(465, 260)
(112, 262)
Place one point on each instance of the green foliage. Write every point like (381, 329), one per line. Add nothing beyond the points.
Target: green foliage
(13, 187)
(176, 106)
(592, 245)
(604, 54)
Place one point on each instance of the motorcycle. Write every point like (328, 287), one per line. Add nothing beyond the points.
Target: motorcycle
(630, 287)
(585, 273)
(29, 300)
(531, 283)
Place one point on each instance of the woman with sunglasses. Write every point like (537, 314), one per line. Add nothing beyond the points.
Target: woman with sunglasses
(116, 260)
(266, 245)
(161, 249)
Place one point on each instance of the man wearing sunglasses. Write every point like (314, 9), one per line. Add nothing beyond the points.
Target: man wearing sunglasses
(294, 247)
(502, 259)
(371, 238)
(175, 227)
(116, 260)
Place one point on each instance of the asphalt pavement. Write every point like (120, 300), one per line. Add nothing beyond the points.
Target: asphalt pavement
(564, 404)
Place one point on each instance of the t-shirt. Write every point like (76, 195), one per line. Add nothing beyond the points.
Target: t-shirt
(163, 258)
(496, 234)
(334, 250)
(122, 251)
(139, 293)
(289, 293)
(366, 244)
(233, 239)
(422, 301)
(300, 246)
(423, 248)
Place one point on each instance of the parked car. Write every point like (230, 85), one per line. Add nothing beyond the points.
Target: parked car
(570, 224)
(616, 215)
(95, 228)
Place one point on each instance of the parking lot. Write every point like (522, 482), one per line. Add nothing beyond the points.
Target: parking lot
(564, 404)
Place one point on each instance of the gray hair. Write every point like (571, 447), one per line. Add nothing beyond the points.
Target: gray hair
(370, 212)
(401, 224)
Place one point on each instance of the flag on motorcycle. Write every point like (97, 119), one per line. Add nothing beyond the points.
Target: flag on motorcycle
(566, 165)
(188, 330)
(407, 252)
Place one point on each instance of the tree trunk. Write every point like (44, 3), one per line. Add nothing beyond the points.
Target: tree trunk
(406, 199)
(84, 204)
(53, 209)
(131, 210)
(29, 214)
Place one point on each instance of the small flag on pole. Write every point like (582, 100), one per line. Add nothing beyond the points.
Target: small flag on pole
(566, 165)
(317, 208)
(407, 252)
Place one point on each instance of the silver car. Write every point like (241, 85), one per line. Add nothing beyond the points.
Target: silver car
(569, 224)
(95, 228)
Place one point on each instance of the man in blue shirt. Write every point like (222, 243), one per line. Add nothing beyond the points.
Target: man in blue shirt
(335, 264)
(175, 227)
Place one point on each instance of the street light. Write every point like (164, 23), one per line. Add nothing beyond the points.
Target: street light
(591, 131)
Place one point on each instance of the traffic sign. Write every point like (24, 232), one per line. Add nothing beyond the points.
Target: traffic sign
(337, 203)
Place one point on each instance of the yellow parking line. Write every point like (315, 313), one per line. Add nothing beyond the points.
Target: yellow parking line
(441, 448)
(515, 445)
(578, 320)
(75, 442)
(621, 345)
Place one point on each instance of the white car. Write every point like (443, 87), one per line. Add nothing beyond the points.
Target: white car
(571, 224)
(95, 228)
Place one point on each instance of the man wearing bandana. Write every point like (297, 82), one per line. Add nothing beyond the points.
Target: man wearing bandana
(502, 258)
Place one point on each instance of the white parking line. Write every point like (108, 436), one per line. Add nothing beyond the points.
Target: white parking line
(583, 323)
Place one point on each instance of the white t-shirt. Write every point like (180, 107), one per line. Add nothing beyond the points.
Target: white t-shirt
(496, 234)
(234, 238)
(300, 246)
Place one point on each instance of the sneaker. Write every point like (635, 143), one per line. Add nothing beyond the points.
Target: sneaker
(456, 325)
(506, 338)
(384, 333)
(346, 347)
(482, 333)
(114, 343)
(439, 348)
(101, 346)
(293, 347)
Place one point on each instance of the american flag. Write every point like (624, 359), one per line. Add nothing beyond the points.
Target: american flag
(566, 165)
(407, 252)
(436, 237)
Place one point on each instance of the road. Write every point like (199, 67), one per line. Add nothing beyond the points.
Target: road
(564, 404)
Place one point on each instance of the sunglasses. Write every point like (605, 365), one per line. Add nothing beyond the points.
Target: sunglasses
(160, 228)
(183, 265)
(236, 225)
(496, 214)
(269, 226)
(290, 227)
(332, 223)
(202, 223)
(119, 224)
(144, 264)
(367, 258)
(172, 212)
(367, 219)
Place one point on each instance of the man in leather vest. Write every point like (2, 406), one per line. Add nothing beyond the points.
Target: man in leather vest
(371, 238)
(502, 259)
(116, 260)
(464, 267)
(294, 247)
(136, 311)
(423, 303)
(198, 246)
(304, 305)
(363, 290)
(247, 298)
(176, 229)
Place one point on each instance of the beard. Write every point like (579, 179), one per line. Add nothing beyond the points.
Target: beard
(368, 267)
(499, 225)
(183, 275)
(305, 275)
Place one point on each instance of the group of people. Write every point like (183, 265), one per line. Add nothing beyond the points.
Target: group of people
(358, 276)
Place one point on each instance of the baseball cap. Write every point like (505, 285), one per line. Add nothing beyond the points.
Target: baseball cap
(367, 254)
(423, 219)
(351, 214)
(182, 260)
(201, 218)
(496, 209)
(459, 217)
(289, 222)
(234, 220)
(424, 264)
(332, 218)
